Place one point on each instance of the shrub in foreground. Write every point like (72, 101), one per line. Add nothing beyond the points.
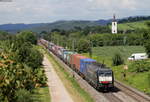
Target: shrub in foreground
(23, 95)
(117, 59)
(139, 66)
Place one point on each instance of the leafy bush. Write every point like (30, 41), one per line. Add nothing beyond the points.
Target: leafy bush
(139, 66)
(23, 95)
(83, 46)
(20, 68)
(27, 54)
(14, 76)
(41, 79)
(1, 97)
(28, 36)
(117, 59)
(34, 59)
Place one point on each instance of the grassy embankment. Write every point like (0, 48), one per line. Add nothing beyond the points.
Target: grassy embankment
(76, 92)
(137, 80)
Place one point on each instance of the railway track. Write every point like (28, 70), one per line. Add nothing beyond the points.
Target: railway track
(135, 94)
(110, 96)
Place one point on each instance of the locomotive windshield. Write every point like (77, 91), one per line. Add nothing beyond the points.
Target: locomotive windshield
(105, 74)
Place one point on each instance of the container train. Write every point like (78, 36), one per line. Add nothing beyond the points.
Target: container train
(97, 74)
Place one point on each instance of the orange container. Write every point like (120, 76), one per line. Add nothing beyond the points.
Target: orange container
(72, 58)
(75, 60)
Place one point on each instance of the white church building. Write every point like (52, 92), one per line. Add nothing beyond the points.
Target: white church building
(114, 25)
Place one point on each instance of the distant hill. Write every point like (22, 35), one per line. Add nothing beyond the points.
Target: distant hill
(17, 27)
(134, 19)
(67, 25)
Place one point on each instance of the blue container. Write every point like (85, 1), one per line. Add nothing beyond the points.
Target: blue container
(83, 63)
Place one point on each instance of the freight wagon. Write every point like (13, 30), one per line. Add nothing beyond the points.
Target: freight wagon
(69, 57)
(66, 56)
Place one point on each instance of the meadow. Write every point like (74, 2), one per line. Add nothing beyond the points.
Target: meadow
(133, 25)
(104, 55)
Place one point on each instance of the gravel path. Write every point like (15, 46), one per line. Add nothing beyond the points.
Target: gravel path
(56, 88)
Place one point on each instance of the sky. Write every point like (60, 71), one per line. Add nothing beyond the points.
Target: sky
(45, 11)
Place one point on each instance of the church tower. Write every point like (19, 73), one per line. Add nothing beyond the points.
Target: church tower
(114, 25)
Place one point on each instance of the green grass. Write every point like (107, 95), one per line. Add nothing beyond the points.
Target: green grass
(77, 93)
(105, 54)
(41, 95)
(133, 25)
(137, 80)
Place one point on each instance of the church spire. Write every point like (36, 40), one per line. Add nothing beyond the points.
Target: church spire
(114, 25)
(114, 17)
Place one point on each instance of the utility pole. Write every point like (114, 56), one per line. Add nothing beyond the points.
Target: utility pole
(58, 41)
(90, 50)
(73, 45)
(124, 40)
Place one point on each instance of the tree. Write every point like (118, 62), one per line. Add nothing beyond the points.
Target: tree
(4, 35)
(20, 66)
(83, 46)
(147, 39)
(28, 36)
(34, 58)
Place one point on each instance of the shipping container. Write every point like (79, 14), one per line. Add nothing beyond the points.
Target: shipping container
(50, 45)
(53, 48)
(44, 42)
(62, 53)
(76, 60)
(83, 64)
(72, 59)
(57, 49)
(69, 57)
(65, 53)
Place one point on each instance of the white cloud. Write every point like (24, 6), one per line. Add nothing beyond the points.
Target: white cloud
(51, 10)
(114, 4)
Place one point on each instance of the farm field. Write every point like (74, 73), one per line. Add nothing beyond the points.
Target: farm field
(104, 55)
(132, 25)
